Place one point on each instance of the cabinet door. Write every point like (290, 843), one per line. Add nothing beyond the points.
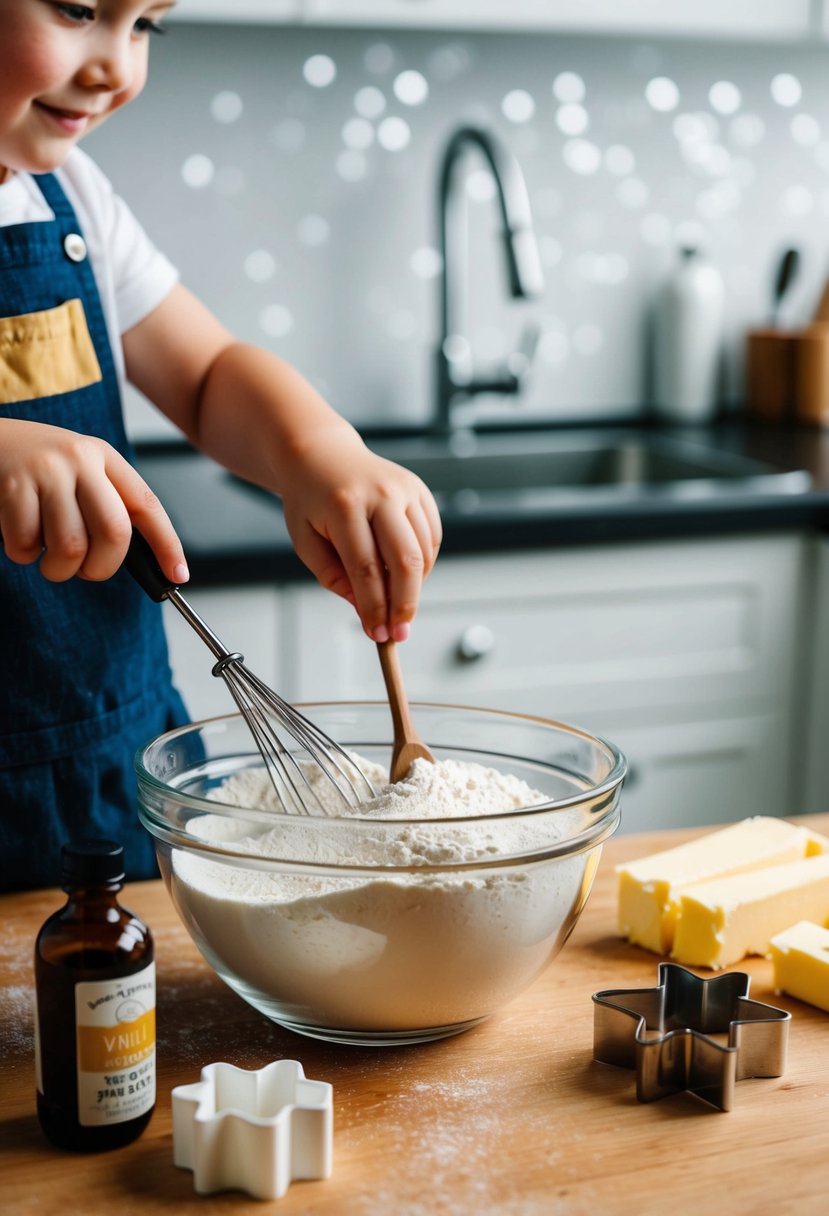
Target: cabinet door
(246, 619)
(749, 19)
(237, 11)
(686, 656)
(675, 632)
(814, 794)
(703, 772)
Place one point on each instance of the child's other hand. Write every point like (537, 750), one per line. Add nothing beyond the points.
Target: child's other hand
(74, 499)
(368, 529)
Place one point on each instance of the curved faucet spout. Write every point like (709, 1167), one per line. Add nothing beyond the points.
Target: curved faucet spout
(523, 263)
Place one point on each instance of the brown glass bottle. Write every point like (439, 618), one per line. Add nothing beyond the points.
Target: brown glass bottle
(95, 1008)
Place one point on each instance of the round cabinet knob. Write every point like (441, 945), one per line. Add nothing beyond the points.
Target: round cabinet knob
(475, 642)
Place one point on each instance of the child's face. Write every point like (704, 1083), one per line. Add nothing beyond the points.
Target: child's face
(64, 68)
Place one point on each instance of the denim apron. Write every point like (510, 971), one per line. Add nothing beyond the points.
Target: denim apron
(86, 678)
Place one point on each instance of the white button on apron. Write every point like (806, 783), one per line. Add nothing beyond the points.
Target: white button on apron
(74, 246)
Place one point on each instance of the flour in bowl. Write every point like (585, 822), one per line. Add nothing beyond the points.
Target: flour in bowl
(389, 949)
(431, 791)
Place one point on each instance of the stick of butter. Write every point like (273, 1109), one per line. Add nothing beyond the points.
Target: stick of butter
(722, 921)
(800, 956)
(649, 888)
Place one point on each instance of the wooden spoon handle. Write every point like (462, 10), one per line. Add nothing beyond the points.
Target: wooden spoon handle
(407, 746)
(398, 702)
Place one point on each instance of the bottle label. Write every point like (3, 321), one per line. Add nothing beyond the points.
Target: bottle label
(115, 1022)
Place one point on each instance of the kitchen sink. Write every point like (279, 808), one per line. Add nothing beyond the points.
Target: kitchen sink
(506, 487)
(469, 471)
(503, 476)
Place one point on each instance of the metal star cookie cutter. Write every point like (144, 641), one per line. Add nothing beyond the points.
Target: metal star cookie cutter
(253, 1131)
(663, 1033)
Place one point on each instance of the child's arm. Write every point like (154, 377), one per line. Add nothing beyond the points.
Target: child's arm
(368, 529)
(73, 499)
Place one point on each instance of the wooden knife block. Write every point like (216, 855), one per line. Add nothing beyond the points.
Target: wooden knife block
(769, 373)
(787, 374)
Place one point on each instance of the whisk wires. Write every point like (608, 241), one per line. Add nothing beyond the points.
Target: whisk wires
(265, 711)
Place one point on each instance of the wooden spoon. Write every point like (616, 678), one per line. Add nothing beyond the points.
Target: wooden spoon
(408, 745)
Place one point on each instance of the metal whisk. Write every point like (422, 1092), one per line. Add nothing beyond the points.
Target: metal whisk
(263, 709)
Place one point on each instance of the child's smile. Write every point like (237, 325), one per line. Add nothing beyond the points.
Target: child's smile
(73, 122)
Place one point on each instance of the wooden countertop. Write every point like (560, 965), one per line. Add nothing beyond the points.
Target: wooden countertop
(513, 1117)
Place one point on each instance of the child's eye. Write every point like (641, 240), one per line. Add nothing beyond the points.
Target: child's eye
(145, 25)
(77, 12)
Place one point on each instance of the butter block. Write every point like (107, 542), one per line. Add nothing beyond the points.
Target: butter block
(649, 889)
(800, 955)
(816, 843)
(722, 921)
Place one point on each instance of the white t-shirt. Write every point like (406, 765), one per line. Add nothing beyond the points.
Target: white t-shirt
(133, 276)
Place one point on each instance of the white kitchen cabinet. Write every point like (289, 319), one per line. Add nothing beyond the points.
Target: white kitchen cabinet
(611, 630)
(686, 655)
(814, 722)
(243, 618)
(703, 772)
(238, 11)
(750, 19)
(741, 19)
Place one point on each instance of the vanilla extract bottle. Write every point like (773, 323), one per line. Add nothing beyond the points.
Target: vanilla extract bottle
(95, 1008)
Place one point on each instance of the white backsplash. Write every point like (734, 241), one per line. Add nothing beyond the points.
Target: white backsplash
(290, 174)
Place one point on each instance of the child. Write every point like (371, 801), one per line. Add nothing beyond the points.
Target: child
(85, 301)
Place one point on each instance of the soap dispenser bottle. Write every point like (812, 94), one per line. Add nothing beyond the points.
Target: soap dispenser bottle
(688, 341)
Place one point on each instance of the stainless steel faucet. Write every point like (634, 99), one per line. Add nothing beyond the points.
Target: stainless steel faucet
(455, 379)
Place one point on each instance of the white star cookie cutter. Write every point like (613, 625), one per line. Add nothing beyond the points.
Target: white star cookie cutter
(253, 1131)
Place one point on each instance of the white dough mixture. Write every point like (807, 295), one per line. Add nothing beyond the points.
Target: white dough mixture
(385, 952)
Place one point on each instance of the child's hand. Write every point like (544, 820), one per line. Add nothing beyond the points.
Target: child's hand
(367, 528)
(74, 499)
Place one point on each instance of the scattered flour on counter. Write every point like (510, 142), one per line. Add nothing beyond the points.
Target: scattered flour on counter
(385, 952)
(16, 1021)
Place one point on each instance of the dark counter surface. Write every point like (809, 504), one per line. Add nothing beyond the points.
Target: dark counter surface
(233, 532)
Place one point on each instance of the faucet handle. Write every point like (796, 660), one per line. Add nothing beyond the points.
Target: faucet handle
(509, 379)
(521, 359)
(456, 355)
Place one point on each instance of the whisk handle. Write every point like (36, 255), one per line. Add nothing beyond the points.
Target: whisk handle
(142, 565)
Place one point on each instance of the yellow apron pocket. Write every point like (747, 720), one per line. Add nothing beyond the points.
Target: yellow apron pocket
(43, 353)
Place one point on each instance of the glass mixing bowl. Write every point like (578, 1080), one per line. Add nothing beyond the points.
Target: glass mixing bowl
(370, 930)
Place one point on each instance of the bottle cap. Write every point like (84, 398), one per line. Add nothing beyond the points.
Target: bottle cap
(92, 863)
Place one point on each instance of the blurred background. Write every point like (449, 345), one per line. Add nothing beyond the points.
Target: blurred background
(642, 552)
(289, 170)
